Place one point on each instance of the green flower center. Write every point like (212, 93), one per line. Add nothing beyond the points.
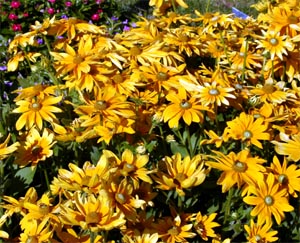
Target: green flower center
(36, 106)
(43, 208)
(135, 51)
(185, 104)
(162, 76)
(268, 88)
(214, 92)
(32, 239)
(118, 78)
(77, 59)
(240, 166)
(100, 105)
(120, 198)
(283, 179)
(247, 134)
(92, 218)
(273, 41)
(269, 200)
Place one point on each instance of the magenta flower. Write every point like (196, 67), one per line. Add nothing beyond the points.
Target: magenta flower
(51, 1)
(68, 4)
(95, 17)
(12, 16)
(16, 27)
(50, 10)
(15, 4)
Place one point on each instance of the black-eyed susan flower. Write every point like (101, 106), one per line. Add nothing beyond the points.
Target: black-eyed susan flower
(92, 212)
(289, 146)
(35, 148)
(204, 224)
(35, 110)
(247, 129)
(175, 228)
(130, 166)
(144, 238)
(159, 3)
(237, 168)
(183, 105)
(5, 150)
(260, 233)
(288, 176)
(269, 199)
(181, 173)
(275, 44)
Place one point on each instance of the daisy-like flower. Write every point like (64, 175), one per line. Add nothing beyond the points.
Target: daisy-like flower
(106, 105)
(260, 233)
(144, 238)
(38, 232)
(77, 62)
(287, 176)
(36, 109)
(272, 92)
(275, 44)
(204, 224)
(5, 150)
(36, 148)
(289, 147)
(91, 212)
(237, 169)
(180, 173)
(247, 129)
(183, 106)
(159, 3)
(174, 228)
(268, 199)
(130, 166)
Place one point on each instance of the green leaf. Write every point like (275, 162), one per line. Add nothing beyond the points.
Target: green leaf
(26, 174)
(178, 148)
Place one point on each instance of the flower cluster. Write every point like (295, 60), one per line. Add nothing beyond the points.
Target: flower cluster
(160, 133)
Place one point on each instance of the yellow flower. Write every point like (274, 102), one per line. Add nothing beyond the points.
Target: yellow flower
(287, 176)
(36, 148)
(130, 166)
(38, 232)
(144, 238)
(290, 147)
(180, 173)
(159, 3)
(247, 129)
(268, 200)
(275, 44)
(4, 234)
(237, 169)
(204, 225)
(91, 212)
(35, 110)
(174, 228)
(5, 150)
(272, 91)
(260, 233)
(182, 106)
(77, 62)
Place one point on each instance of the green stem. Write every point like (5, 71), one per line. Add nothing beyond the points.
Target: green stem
(47, 179)
(174, 6)
(244, 62)
(227, 205)
(207, 6)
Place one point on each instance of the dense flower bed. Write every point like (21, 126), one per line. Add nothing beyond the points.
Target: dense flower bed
(182, 128)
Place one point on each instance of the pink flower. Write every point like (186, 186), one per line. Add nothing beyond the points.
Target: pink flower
(51, 1)
(25, 15)
(95, 17)
(15, 4)
(12, 16)
(16, 27)
(50, 10)
(68, 4)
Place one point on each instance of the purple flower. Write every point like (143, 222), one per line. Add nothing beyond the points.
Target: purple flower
(126, 28)
(114, 18)
(40, 41)
(125, 21)
(3, 68)
(64, 16)
(8, 83)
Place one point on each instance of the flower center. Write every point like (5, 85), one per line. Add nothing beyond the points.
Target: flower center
(183, 38)
(242, 54)
(185, 104)
(43, 208)
(173, 231)
(127, 168)
(36, 150)
(92, 218)
(214, 92)
(240, 166)
(120, 198)
(258, 238)
(247, 134)
(135, 51)
(100, 105)
(118, 78)
(162, 76)
(77, 59)
(268, 88)
(36, 106)
(32, 239)
(283, 179)
(292, 19)
(269, 200)
(273, 41)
